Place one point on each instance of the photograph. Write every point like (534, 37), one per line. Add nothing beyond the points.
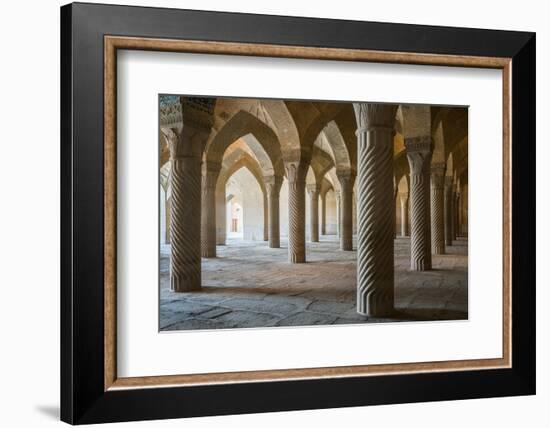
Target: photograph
(283, 212)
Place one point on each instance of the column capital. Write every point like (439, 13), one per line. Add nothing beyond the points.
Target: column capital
(419, 144)
(438, 174)
(403, 195)
(295, 171)
(370, 116)
(438, 168)
(313, 188)
(273, 183)
(419, 153)
(198, 113)
(210, 173)
(346, 179)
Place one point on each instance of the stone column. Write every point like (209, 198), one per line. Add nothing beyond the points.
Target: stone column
(167, 215)
(324, 213)
(448, 201)
(296, 174)
(375, 221)
(210, 175)
(186, 151)
(404, 204)
(453, 214)
(313, 190)
(273, 188)
(419, 155)
(437, 205)
(221, 215)
(458, 216)
(346, 211)
(266, 218)
(338, 212)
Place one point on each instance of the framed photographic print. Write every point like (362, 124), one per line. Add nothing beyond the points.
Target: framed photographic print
(266, 213)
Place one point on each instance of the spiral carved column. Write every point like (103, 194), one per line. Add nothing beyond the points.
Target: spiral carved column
(437, 207)
(404, 204)
(346, 211)
(419, 155)
(208, 213)
(448, 201)
(296, 213)
(376, 221)
(186, 149)
(453, 215)
(273, 188)
(313, 191)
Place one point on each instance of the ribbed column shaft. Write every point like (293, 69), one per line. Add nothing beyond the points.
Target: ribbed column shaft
(273, 188)
(185, 209)
(186, 149)
(346, 211)
(296, 213)
(448, 201)
(437, 196)
(419, 153)
(313, 191)
(208, 213)
(375, 219)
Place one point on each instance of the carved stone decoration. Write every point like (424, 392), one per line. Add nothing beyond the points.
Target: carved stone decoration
(437, 207)
(273, 189)
(296, 174)
(185, 254)
(313, 190)
(419, 155)
(186, 149)
(346, 211)
(404, 204)
(448, 201)
(210, 175)
(375, 219)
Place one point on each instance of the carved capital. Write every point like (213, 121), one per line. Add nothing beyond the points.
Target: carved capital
(419, 154)
(198, 113)
(438, 168)
(346, 179)
(273, 185)
(295, 171)
(374, 116)
(313, 189)
(210, 173)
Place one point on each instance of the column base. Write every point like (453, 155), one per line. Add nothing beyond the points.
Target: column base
(421, 265)
(182, 285)
(297, 258)
(375, 304)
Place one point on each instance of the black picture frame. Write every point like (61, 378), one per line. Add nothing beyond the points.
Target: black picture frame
(83, 398)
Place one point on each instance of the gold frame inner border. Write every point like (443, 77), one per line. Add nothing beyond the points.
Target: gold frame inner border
(113, 43)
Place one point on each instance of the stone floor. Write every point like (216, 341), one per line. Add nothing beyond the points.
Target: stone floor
(252, 285)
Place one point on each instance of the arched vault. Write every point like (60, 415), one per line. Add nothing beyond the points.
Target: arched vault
(261, 139)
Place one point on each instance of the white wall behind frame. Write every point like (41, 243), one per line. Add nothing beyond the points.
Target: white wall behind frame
(36, 326)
